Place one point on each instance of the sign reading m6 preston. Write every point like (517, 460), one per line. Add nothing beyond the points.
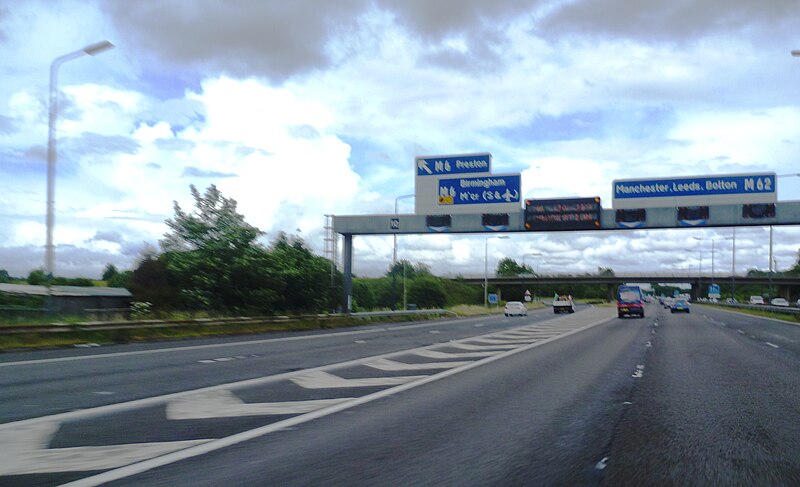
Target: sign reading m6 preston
(725, 189)
(429, 169)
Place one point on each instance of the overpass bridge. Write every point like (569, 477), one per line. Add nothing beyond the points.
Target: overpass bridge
(785, 286)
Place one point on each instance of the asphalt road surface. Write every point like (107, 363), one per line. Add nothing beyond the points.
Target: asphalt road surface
(706, 398)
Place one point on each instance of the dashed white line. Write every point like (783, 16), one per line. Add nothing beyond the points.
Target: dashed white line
(772, 345)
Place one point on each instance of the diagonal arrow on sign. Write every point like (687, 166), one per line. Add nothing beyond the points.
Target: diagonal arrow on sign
(224, 404)
(319, 379)
(423, 164)
(25, 452)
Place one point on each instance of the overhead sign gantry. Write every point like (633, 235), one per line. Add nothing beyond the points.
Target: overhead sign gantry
(459, 194)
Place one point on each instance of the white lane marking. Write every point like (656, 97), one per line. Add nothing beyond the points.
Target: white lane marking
(193, 347)
(258, 381)
(103, 393)
(478, 325)
(741, 331)
(467, 346)
(435, 332)
(393, 366)
(445, 355)
(602, 464)
(130, 470)
(772, 345)
(224, 404)
(232, 344)
(207, 361)
(360, 341)
(25, 451)
(494, 341)
(323, 380)
(639, 372)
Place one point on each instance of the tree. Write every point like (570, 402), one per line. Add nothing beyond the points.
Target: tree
(605, 272)
(37, 277)
(427, 292)
(508, 267)
(210, 251)
(109, 272)
(4, 277)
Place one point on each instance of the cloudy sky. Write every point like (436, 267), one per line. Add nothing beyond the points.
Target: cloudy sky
(310, 107)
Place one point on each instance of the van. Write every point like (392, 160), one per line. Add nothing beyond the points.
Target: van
(756, 299)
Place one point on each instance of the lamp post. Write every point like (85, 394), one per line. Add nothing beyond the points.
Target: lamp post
(536, 288)
(394, 247)
(733, 265)
(699, 268)
(525, 255)
(486, 268)
(90, 50)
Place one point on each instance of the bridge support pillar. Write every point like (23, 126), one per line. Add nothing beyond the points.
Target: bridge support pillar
(347, 251)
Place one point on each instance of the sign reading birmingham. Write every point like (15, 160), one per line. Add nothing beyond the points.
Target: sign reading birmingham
(694, 190)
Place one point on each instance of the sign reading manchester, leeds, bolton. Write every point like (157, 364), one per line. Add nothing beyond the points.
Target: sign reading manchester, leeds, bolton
(430, 169)
(694, 190)
(563, 214)
(500, 192)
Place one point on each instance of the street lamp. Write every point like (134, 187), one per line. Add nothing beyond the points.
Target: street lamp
(394, 247)
(90, 50)
(486, 268)
(525, 255)
(699, 268)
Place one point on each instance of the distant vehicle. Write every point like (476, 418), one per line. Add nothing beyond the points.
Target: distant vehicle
(668, 302)
(563, 304)
(731, 301)
(680, 305)
(757, 300)
(779, 302)
(515, 308)
(797, 303)
(630, 301)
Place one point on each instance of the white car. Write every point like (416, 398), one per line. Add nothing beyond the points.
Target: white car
(757, 300)
(779, 302)
(515, 308)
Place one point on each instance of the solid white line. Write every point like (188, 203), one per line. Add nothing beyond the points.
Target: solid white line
(772, 345)
(183, 349)
(157, 400)
(232, 344)
(214, 445)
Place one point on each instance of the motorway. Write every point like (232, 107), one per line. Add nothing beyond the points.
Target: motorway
(706, 398)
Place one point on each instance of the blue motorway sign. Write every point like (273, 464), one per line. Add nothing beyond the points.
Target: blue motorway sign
(694, 190)
(482, 190)
(492, 298)
(447, 165)
(713, 291)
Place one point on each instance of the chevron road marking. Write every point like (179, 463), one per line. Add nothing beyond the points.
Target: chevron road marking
(25, 452)
(446, 355)
(319, 379)
(391, 365)
(588, 321)
(224, 404)
(467, 346)
(494, 341)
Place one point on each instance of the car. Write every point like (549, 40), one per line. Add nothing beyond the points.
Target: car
(679, 305)
(515, 308)
(779, 302)
(757, 300)
(731, 301)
